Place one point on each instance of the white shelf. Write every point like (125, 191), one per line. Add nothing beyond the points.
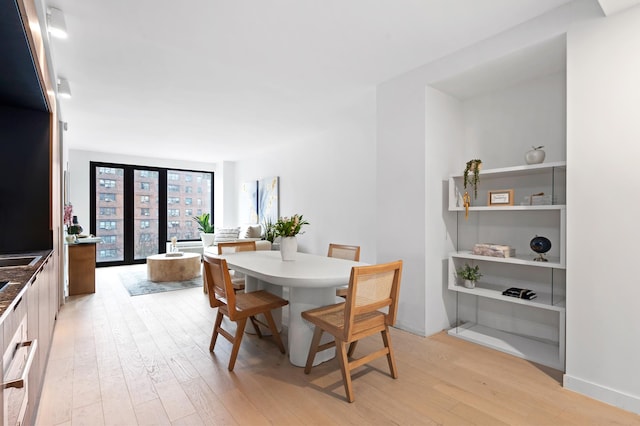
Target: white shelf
(511, 208)
(531, 349)
(531, 319)
(529, 169)
(542, 301)
(553, 262)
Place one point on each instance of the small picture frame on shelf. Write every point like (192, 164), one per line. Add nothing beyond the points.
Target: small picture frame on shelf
(502, 197)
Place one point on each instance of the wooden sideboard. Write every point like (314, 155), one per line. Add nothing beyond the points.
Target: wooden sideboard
(82, 268)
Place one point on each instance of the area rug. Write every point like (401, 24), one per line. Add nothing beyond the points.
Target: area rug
(136, 282)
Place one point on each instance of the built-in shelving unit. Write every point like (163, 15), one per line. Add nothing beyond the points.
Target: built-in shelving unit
(531, 329)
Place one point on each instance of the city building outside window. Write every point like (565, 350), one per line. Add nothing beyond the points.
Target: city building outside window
(107, 224)
(107, 211)
(107, 183)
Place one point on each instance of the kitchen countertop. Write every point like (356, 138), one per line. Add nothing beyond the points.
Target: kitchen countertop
(18, 277)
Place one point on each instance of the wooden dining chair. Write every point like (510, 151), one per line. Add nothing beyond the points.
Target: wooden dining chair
(346, 252)
(370, 307)
(238, 307)
(237, 279)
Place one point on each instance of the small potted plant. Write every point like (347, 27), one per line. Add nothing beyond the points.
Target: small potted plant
(473, 167)
(206, 229)
(470, 275)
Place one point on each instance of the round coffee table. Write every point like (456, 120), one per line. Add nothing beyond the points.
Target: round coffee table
(162, 268)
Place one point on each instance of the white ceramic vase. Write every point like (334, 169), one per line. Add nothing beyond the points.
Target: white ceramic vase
(469, 284)
(207, 239)
(288, 248)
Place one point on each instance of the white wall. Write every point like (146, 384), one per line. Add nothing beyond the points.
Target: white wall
(603, 135)
(443, 139)
(330, 179)
(501, 126)
(225, 196)
(401, 194)
(79, 179)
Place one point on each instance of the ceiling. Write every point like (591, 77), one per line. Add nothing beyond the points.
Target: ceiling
(213, 80)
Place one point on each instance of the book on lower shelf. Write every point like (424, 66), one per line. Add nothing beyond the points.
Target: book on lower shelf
(493, 250)
(520, 293)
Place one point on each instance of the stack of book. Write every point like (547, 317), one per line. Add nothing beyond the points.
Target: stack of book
(493, 250)
(521, 293)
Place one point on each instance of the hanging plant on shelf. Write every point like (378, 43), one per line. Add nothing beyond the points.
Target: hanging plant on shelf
(473, 167)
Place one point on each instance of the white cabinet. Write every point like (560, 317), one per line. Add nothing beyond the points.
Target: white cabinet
(532, 329)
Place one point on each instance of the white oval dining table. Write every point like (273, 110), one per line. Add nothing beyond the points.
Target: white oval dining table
(312, 282)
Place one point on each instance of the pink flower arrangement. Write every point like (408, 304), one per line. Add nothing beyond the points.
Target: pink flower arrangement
(68, 215)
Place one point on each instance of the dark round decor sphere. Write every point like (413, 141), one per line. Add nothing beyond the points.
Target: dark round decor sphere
(540, 244)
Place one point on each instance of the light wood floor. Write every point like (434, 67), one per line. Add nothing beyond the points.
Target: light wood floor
(144, 360)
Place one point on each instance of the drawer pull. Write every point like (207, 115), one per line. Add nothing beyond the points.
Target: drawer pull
(20, 382)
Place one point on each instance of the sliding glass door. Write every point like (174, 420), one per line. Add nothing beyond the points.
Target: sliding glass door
(109, 222)
(188, 195)
(136, 209)
(146, 213)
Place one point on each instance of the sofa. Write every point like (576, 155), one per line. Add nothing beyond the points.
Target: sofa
(246, 233)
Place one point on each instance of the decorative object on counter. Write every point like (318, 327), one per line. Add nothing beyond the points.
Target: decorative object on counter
(473, 166)
(503, 197)
(493, 250)
(520, 293)
(71, 223)
(287, 228)
(75, 228)
(535, 156)
(540, 245)
(206, 229)
(68, 215)
(470, 275)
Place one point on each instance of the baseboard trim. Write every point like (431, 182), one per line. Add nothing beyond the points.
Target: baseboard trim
(602, 393)
(410, 329)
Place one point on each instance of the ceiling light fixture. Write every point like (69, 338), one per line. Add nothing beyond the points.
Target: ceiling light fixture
(64, 90)
(55, 23)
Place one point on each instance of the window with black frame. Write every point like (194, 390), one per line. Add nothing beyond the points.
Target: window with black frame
(137, 209)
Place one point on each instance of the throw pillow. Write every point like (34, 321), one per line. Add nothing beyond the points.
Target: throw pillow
(226, 234)
(253, 231)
